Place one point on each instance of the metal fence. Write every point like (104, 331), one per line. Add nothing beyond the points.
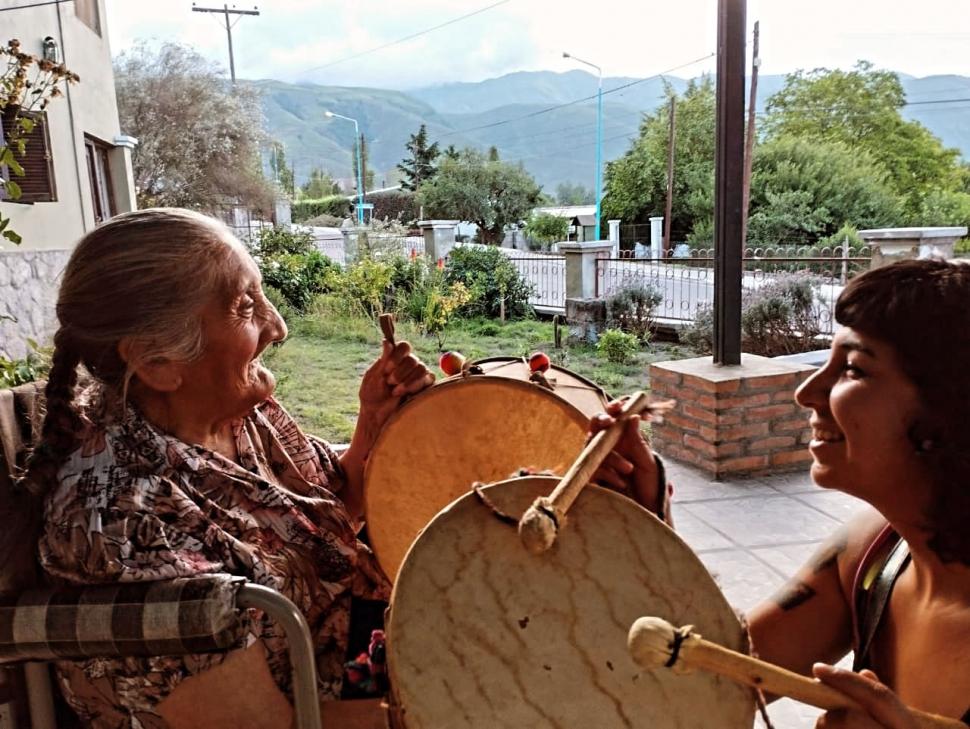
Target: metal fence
(686, 283)
(547, 274)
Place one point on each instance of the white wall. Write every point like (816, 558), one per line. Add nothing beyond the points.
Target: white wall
(94, 108)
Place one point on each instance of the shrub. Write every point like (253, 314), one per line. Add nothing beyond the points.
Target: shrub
(366, 283)
(324, 220)
(423, 295)
(281, 303)
(618, 347)
(779, 318)
(275, 241)
(401, 205)
(490, 277)
(699, 334)
(631, 310)
(336, 205)
(34, 366)
(298, 276)
(544, 229)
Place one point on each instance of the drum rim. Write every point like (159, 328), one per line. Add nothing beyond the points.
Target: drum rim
(585, 380)
(394, 693)
(577, 415)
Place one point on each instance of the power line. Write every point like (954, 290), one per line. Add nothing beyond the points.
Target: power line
(534, 114)
(409, 37)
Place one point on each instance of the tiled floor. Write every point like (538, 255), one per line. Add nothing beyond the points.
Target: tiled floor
(753, 535)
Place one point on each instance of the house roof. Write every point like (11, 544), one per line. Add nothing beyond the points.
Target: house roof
(586, 219)
(569, 211)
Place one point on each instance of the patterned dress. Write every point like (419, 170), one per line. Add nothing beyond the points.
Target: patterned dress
(133, 503)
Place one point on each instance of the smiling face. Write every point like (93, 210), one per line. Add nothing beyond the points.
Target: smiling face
(229, 379)
(863, 408)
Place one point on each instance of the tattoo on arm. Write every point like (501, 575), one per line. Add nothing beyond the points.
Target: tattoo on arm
(797, 592)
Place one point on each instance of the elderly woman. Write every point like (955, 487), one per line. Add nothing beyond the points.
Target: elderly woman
(889, 417)
(176, 460)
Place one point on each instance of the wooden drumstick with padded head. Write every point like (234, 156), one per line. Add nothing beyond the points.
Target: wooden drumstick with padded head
(541, 522)
(655, 643)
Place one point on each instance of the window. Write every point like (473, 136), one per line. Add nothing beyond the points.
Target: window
(99, 176)
(37, 184)
(88, 13)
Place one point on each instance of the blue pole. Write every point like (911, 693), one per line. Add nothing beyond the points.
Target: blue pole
(360, 180)
(599, 155)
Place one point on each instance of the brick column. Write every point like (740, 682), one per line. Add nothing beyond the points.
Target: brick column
(733, 421)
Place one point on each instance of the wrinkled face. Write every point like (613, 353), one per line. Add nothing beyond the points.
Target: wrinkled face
(863, 406)
(229, 379)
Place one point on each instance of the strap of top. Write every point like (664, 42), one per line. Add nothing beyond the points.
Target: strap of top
(872, 601)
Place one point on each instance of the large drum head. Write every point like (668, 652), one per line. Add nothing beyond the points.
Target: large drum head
(484, 635)
(479, 428)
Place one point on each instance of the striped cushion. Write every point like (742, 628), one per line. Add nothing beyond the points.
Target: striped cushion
(170, 617)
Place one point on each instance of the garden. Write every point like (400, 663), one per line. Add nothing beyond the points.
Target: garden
(475, 303)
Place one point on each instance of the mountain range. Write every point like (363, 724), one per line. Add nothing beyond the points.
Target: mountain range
(545, 120)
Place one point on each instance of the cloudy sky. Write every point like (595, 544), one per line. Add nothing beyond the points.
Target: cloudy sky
(314, 40)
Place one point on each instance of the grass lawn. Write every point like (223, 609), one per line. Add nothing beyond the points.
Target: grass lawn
(319, 366)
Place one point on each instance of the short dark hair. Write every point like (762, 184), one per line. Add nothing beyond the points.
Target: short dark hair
(921, 308)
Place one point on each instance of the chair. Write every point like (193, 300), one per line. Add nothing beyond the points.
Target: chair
(170, 617)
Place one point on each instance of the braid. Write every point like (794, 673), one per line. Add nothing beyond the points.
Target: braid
(61, 421)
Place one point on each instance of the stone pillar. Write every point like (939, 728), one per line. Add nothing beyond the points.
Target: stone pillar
(657, 236)
(581, 257)
(896, 244)
(615, 236)
(733, 420)
(439, 237)
(282, 212)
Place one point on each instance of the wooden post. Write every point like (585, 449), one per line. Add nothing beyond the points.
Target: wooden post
(671, 138)
(728, 179)
(750, 138)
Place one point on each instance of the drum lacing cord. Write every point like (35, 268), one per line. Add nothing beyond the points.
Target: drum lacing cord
(496, 512)
(759, 696)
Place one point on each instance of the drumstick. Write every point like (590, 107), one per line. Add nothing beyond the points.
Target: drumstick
(540, 523)
(655, 643)
(387, 327)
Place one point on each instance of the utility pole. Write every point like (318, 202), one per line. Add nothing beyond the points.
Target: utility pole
(749, 139)
(227, 11)
(671, 137)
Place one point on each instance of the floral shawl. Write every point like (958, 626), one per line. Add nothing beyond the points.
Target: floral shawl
(134, 504)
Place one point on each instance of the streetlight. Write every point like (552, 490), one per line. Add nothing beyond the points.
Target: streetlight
(360, 169)
(599, 137)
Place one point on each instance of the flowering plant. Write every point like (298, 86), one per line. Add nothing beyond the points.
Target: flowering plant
(27, 84)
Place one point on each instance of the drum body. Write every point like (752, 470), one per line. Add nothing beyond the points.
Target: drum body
(467, 429)
(484, 635)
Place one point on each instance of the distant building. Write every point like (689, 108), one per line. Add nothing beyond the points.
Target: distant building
(582, 220)
(79, 164)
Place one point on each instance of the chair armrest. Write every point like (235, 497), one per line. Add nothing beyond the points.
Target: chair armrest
(168, 617)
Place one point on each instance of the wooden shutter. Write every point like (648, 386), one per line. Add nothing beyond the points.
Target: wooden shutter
(37, 184)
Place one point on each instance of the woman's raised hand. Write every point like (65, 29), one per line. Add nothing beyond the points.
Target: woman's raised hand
(881, 708)
(630, 468)
(396, 374)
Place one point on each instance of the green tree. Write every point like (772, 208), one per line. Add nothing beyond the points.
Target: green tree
(282, 172)
(803, 190)
(568, 193)
(198, 139)
(545, 228)
(861, 109)
(636, 184)
(420, 165)
(320, 184)
(489, 193)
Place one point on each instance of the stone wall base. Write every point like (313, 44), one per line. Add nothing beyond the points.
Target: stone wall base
(736, 420)
(586, 319)
(28, 293)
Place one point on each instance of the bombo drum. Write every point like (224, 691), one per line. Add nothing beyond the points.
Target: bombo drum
(479, 427)
(483, 634)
